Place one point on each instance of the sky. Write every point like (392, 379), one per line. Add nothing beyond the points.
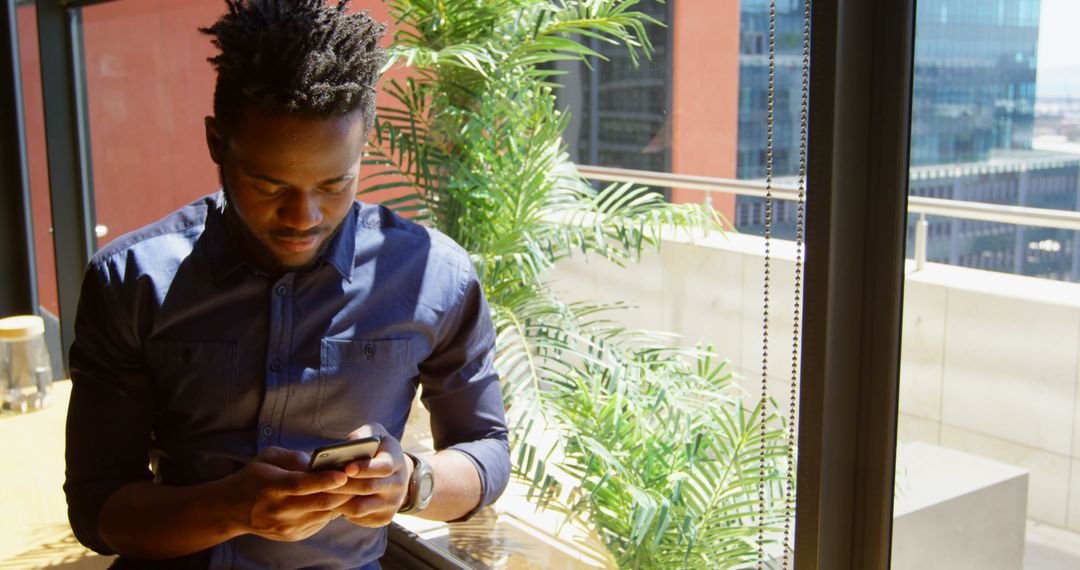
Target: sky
(1059, 48)
(1059, 40)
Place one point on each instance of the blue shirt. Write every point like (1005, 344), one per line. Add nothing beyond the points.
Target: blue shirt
(188, 357)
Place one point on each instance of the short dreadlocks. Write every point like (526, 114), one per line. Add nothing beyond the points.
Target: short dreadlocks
(295, 56)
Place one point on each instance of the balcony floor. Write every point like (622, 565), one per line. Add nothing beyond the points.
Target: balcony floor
(1050, 548)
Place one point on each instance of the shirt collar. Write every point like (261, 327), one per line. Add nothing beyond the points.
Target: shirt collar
(342, 250)
(222, 249)
(226, 252)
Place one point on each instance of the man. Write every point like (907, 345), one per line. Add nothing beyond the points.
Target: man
(225, 342)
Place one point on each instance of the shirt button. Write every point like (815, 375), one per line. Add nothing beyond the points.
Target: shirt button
(369, 351)
(267, 431)
(275, 365)
(281, 290)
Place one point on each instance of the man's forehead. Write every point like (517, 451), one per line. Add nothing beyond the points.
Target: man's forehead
(259, 136)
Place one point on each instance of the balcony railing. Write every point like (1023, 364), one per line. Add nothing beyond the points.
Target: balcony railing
(784, 190)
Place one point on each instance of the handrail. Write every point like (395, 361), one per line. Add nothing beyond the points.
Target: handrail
(783, 189)
(755, 188)
(1018, 215)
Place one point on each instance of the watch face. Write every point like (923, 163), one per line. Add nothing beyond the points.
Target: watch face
(425, 486)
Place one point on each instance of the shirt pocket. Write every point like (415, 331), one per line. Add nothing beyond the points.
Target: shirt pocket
(362, 382)
(194, 383)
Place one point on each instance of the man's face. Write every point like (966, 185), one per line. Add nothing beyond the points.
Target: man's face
(289, 180)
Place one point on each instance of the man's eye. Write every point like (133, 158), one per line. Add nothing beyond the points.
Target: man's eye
(270, 190)
(336, 188)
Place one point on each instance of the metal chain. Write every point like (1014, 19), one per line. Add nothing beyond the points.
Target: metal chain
(763, 464)
(800, 226)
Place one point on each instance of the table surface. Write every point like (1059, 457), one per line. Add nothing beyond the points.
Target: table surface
(34, 532)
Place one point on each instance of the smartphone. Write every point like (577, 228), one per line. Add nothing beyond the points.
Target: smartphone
(338, 455)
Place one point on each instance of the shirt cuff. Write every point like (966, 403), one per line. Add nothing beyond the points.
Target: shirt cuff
(85, 501)
(491, 457)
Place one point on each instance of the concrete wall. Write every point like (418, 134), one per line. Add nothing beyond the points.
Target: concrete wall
(708, 291)
(991, 362)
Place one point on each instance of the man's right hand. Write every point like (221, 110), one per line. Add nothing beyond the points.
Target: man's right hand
(275, 497)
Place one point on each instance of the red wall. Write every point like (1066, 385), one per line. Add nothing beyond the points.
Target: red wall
(705, 94)
(148, 86)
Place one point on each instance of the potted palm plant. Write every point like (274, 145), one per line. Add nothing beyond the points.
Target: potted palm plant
(650, 445)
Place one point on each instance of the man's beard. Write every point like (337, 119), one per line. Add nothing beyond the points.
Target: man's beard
(260, 254)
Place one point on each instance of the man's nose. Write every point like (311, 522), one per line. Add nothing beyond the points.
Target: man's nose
(300, 210)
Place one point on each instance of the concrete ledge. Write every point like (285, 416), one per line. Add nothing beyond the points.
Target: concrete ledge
(958, 511)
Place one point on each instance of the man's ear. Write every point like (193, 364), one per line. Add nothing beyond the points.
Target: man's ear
(215, 142)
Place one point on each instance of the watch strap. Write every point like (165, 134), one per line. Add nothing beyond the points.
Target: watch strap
(412, 496)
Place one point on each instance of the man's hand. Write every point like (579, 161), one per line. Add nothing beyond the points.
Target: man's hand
(276, 498)
(377, 486)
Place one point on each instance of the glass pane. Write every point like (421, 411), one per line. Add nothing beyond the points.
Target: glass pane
(695, 107)
(989, 434)
(34, 532)
(700, 105)
(37, 164)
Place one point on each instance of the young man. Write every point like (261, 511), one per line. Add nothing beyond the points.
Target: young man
(223, 343)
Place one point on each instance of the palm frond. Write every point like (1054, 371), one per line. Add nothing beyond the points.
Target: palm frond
(647, 442)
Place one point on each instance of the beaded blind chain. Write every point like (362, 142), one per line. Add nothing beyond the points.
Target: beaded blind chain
(800, 224)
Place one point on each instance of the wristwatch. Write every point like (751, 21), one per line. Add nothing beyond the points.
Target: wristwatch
(421, 486)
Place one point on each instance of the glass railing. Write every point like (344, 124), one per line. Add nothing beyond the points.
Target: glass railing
(989, 402)
(785, 190)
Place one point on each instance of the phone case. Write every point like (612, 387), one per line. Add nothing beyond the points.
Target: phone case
(338, 455)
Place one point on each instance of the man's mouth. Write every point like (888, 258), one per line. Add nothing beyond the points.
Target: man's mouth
(297, 244)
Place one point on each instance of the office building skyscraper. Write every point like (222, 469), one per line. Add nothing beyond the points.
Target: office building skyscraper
(974, 85)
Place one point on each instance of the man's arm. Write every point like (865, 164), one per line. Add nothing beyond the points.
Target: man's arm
(378, 486)
(461, 389)
(271, 497)
(468, 424)
(113, 505)
(458, 490)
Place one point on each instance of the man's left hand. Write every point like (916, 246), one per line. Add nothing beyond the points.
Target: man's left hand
(379, 484)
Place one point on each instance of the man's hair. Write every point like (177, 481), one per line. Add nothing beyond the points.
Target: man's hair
(295, 56)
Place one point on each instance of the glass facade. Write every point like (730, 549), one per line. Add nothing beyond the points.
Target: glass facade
(973, 125)
(620, 113)
(755, 18)
(974, 84)
(973, 119)
(754, 88)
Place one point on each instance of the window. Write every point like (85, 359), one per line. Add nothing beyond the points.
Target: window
(988, 356)
(683, 305)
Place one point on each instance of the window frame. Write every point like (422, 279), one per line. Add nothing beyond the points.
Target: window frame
(861, 61)
(18, 283)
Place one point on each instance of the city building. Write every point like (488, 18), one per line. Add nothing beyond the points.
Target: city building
(973, 126)
(974, 80)
(1032, 178)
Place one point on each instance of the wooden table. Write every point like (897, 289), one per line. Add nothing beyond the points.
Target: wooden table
(34, 531)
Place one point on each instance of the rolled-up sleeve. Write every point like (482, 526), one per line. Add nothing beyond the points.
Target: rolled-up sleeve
(109, 416)
(461, 390)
